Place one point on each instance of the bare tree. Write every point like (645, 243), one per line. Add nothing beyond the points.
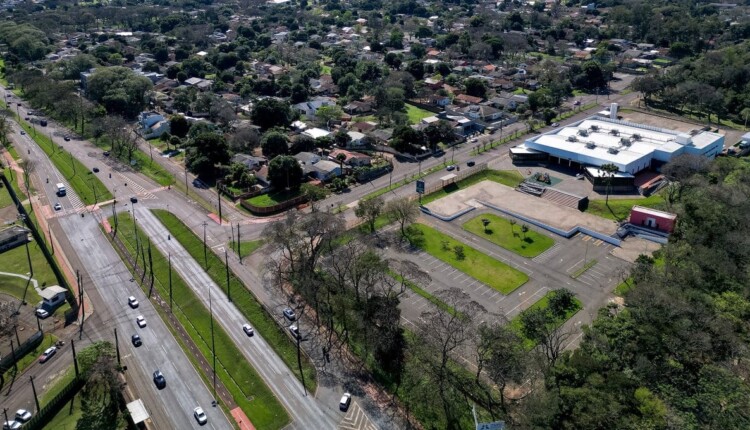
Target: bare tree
(403, 210)
(8, 318)
(501, 354)
(369, 210)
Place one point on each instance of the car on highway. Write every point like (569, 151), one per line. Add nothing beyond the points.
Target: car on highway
(66, 138)
(295, 331)
(555, 124)
(42, 313)
(141, 321)
(134, 200)
(47, 354)
(159, 379)
(289, 314)
(58, 206)
(132, 302)
(12, 425)
(136, 340)
(247, 329)
(470, 163)
(23, 133)
(23, 415)
(345, 401)
(577, 103)
(95, 169)
(451, 167)
(200, 416)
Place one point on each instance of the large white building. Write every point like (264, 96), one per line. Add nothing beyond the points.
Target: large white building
(631, 147)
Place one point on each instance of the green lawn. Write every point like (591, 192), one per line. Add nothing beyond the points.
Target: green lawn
(16, 261)
(621, 207)
(403, 182)
(247, 247)
(542, 303)
(495, 274)
(416, 114)
(274, 198)
(242, 299)
(624, 287)
(240, 378)
(510, 178)
(85, 183)
(61, 381)
(152, 169)
(5, 199)
(501, 232)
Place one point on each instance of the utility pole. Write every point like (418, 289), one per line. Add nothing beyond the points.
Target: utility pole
(5, 411)
(170, 282)
(80, 301)
(51, 243)
(186, 178)
(13, 354)
(205, 255)
(151, 270)
(239, 243)
(218, 195)
(226, 266)
(117, 347)
(299, 358)
(75, 357)
(213, 345)
(114, 216)
(28, 257)
(33, 389)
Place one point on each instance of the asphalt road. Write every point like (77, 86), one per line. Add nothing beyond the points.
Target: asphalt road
(107, 283)
(305, 412)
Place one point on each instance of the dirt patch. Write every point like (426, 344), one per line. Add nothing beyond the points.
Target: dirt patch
(632, 247)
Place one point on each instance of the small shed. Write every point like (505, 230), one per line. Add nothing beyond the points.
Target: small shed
(53, 296)
(138, 411)
(652, 218)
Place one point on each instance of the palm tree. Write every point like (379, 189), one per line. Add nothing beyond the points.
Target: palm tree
(341, 157)
(609, 169)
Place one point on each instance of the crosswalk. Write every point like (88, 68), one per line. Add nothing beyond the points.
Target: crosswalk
(356, 419)
(548, 254)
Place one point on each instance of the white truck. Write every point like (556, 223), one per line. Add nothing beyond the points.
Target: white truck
(61, 189)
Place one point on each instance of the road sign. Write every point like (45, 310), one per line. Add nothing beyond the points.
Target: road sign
(420, 186)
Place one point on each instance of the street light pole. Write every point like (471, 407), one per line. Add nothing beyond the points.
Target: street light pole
(205, 255)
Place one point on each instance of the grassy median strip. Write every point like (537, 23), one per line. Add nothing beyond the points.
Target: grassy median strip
(241, 298)
(85, 183)
(239, 377)
(589, 264)
(479, 266)
(501, 232)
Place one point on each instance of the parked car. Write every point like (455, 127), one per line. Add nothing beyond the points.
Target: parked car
(470, 163)
(159, 379)
(451, 167)
(134, 200)
(105, 153)
(555, 124)
(66, 138)
(136, 340)
(132, 302)
(200, 416)
(95, 169)
(47, 354)
(23, 415)
(12, 425)
(41, 313)
(141, 321)
(23, 133)
(289, 314)
(345, 401)
(58, 206)
(248, 329)
(295, 331)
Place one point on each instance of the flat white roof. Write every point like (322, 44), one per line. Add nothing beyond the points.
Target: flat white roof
(654, 212)
(316, 132)
(138, 411)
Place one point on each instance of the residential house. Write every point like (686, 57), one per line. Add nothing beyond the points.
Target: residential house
(362, 127)
(252, 162)
(310, 108)
(52, 297)
(434, 84)
(438, 100)
(356, 139)
(316, 132)
(482, 113)
(13, 236)
(314, 166)
(357, 108)
(353, 159)
(465, 99)
(152, 124)
(533, 85)
(382, 135)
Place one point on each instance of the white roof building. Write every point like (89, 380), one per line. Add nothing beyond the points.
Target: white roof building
(632, 147)
(316, 132)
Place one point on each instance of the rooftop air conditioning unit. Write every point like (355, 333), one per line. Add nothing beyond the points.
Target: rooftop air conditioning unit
(595, 127)
(614, 132)
(572, 139)
(625, 141)
(583, 133)
(636, 137)
(613, 150)
(590, 145)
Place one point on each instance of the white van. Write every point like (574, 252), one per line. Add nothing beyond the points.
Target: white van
(60, 189)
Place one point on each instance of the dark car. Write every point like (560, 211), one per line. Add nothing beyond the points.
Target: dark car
(136, 340)
(66, 138)
(106, 153)
(95, 169)
(159, 380)
(134, 200)
(289, 314)
(470, 163)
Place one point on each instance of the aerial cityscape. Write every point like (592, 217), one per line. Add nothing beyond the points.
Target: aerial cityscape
(361, 215)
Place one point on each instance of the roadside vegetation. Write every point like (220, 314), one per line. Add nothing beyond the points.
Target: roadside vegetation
(507, 234)
(545, 316)
(237, 375)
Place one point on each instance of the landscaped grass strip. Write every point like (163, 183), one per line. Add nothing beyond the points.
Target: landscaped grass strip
(511, 237)
(240, 378)
(479, 266)
(241, 298)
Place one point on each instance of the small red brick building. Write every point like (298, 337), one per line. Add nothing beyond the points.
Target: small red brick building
(652, 218)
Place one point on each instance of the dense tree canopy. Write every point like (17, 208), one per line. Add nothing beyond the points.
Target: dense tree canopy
(285, 172)
(119, 89)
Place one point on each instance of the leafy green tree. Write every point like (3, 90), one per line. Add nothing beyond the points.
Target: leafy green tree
(561, 302)
(119, 89)
(325, 114)
(274, 143)
(475, 87)
(408, 140)
(268, 113)
(206, 152)
(369, 210)
(179, 126)
(285, 172)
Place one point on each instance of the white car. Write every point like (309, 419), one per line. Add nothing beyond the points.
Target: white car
(47, 354)
(12, 425)
(41, 313)
(58, 206)
(295, 331)
(132, 302)
(200, 416)
(23, 415)
(345, 401)
(247, 329)
(141, 321)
